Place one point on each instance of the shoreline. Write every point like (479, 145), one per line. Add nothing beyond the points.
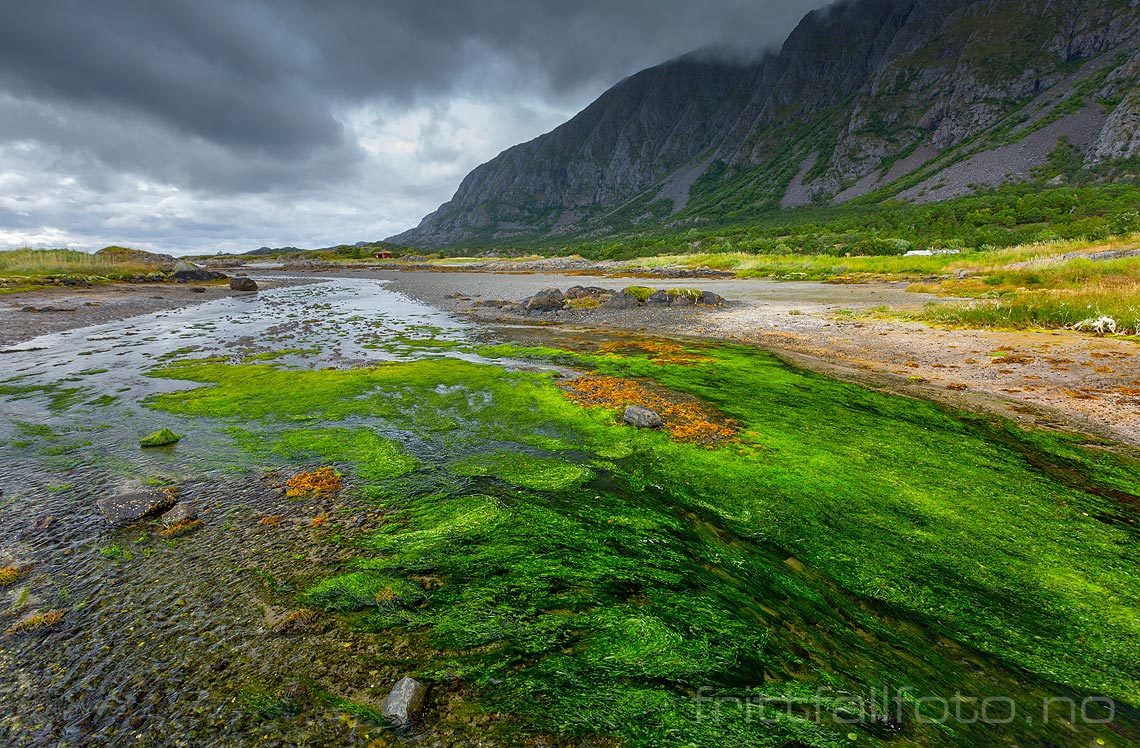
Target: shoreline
(25, 315)
(1049, 379)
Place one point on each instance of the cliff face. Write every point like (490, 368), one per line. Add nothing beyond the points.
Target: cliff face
(915, 99)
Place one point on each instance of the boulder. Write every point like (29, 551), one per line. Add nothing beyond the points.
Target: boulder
(242, 283)
(660, 298)
(642, 418)
(130, 507)
(197, 289)
(683, 300)
(708, 298)
(623, 300)
(183, 511)
(585, 292)
(546, 300)
(406, 701)
(185, 271)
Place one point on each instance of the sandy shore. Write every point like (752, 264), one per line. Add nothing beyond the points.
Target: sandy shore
(1048, 378)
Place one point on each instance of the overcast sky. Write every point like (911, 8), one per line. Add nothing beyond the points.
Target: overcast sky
(224, 125)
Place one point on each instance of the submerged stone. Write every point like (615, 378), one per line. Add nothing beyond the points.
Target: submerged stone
(183, 511)
(406, 701)
(160, 438)
(642, 418)
(125, 508)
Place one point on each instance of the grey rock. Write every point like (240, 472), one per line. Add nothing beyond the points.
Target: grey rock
(586, 292)
(130, 507)
(185, 271)
(406, 701)
(660, 298)
(183, 511)
(642, 418)
(621, 300)
(708, 298)
(197, 289)
(546, 300)
(242, 283)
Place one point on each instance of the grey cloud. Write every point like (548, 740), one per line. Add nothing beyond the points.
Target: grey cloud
(224, 97)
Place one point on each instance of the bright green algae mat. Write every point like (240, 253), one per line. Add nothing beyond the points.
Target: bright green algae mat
(590, 578)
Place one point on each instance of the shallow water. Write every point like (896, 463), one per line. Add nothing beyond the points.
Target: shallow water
(170, 626)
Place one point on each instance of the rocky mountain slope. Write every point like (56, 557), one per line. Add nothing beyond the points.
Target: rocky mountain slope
(917, 100)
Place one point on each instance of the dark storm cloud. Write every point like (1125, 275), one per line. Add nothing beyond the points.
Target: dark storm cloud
(225, 96)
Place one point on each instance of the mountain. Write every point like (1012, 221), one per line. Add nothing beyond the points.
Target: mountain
(907, 99)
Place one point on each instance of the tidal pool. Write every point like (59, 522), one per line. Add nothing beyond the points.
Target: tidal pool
(791, 561)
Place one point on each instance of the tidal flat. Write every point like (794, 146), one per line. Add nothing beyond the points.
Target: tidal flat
(389, 490)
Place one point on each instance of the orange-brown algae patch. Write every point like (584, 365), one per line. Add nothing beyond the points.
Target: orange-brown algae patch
(659, 351)
(685, 420)
(35, 622)
(181, 527)
(12, 574)
(322, 481)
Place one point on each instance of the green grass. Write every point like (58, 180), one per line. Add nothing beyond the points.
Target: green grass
(24, 265)
(590, 578)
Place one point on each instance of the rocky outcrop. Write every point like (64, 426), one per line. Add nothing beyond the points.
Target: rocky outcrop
(861, 95)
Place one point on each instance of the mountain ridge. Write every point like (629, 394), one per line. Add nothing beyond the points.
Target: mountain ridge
(891, 98)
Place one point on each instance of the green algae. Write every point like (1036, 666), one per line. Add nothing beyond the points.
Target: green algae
(160, 438)
(850, 540)
(374, 456)
(524, 470)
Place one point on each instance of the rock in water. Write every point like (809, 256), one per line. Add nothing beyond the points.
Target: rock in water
(126, 508)
(642, 418)
(161, 438)
(406, 701)
(183, 511)
(242, 283)
(546, 300)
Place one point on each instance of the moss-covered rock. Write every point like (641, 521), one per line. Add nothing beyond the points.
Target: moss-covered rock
(160, 438)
